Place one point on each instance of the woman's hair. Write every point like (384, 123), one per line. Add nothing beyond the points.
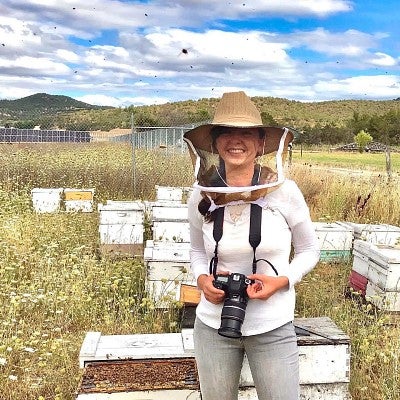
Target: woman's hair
(205, 203)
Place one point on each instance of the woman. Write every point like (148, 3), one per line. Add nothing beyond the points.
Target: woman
(232, 184)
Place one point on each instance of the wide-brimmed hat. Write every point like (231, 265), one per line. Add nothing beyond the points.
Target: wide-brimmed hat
(236, 110)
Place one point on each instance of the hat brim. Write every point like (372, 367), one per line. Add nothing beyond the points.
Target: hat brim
(200, 137)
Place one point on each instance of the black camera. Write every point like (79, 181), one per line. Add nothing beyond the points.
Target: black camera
(234, 309)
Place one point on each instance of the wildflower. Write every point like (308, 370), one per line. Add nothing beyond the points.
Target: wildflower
(13, 378)
(3, 361)
(29, 349)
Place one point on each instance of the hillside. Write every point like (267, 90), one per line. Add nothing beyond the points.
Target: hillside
(41, 104)
(50, 111)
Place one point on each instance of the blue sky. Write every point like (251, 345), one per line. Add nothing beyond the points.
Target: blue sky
(123, 53)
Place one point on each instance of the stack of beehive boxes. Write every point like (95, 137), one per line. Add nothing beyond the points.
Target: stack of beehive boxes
(376, 274)
(376, 264)
(167, 254)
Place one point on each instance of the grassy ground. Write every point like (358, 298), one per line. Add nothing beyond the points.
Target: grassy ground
(54, 286)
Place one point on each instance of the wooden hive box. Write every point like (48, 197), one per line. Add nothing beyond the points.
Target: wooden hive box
(375, 233)
(335, 241)
(121, 228)
(169, 194)
(361, 250)
(46, 200)
(162, 366)
(383, 288)
(78, 200)
(168, 266)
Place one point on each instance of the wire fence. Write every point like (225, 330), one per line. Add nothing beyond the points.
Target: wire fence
(16, 135)
(140, 137)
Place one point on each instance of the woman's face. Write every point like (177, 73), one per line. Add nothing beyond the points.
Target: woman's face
(239, 146)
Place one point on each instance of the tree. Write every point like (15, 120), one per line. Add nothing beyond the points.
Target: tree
(362, 139)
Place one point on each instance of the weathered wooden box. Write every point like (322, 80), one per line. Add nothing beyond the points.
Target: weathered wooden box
(335, 241)
(383, 288)
(384, 300)
(169, 194)
(121, 227)
(380, 265)
(47, 200)
(361, 257)
(171, 231)
(162, 366)
(168, 266)
(176, 212)
(375, 233)
(78, 200)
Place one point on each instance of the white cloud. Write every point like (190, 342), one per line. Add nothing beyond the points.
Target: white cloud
(67, 55)
(42, 65)
(383, 60)
(375, 87)
(108, 48)
(99, 100)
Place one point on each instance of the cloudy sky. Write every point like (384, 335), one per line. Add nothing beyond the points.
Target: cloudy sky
(137, 52)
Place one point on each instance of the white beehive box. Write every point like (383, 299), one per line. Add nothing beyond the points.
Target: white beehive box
(324, 365)
(169, 194)
(380, 264)
(384, 300)
(361, 252)
(121, 227)
(177, 212)
(170, 222)
(335, 241)
(78, 200)
(168, 266)
(171, 231)
(375, 233)
(47, 200)
(121, 212)
(384, 267)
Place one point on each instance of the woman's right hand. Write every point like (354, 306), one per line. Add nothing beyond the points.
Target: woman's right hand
(211, 293)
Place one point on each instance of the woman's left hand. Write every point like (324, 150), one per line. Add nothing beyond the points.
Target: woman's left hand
(265, 286)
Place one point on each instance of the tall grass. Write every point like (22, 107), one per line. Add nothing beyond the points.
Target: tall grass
(54, 286)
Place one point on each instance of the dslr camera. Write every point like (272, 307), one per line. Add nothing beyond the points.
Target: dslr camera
(235, 303)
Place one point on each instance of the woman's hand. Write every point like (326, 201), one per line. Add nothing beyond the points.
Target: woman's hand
(211, 293)
(265, 286)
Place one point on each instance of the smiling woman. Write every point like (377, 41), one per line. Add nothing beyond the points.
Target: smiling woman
(238, 206)
(254, 158)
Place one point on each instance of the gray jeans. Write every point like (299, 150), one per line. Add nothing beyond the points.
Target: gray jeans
(273, 360)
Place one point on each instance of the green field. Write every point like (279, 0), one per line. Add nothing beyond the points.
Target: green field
(372, 161)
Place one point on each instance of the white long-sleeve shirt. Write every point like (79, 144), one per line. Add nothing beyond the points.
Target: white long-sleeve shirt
(285, 221)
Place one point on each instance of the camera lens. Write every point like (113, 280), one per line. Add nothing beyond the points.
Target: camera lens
(232, 317)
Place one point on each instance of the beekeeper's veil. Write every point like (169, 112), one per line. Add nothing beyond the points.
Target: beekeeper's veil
(238, 111)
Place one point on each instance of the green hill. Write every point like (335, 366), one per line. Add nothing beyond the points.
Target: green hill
(41, 103)
(51, 111)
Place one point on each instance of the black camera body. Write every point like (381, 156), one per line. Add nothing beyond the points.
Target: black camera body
(235, 303)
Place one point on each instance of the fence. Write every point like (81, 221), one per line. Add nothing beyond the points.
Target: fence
(16, 135)
(170, 138)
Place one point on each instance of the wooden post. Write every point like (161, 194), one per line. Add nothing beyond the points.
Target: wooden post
(388, 163)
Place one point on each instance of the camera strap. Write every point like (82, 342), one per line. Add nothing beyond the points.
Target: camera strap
(254, 235)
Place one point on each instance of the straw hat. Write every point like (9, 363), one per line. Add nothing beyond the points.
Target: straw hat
(236, 110)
